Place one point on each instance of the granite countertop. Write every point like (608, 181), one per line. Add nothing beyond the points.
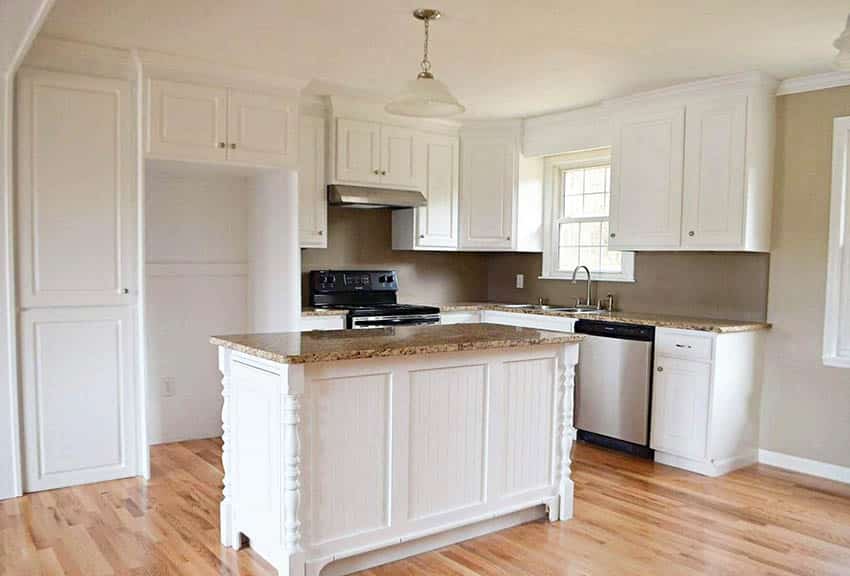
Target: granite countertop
(309, 311)
(333, 345)
(657, 320)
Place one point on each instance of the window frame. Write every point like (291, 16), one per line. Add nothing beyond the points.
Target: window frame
(552, 168)
(836, 323)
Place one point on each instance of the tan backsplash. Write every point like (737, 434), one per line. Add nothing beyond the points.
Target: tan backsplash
(362, 239)
(707, 284)
(714, 285)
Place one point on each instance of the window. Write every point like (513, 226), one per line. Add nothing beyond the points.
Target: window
(578, 198)
(836, 331)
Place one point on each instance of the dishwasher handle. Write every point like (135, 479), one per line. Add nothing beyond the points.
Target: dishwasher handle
(618, 330)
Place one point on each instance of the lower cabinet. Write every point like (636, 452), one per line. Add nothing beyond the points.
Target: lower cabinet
(705, 400)
(538, 321)
(309, 323)
(460, 317)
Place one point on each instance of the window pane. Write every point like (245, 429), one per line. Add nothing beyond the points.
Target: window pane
(573, 206)
(569, 234)
(573, 182)
(568, 257)
(591, 234)
(591, 256)
(595, 180)
(595, 205)
(612, 260)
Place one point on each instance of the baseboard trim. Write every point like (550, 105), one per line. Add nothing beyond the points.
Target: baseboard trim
(805, 466)
(712, 468)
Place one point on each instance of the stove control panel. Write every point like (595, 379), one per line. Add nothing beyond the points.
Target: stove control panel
(340, 281)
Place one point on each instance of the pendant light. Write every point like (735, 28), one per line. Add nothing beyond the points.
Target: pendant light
(842, 44)
(425, 96)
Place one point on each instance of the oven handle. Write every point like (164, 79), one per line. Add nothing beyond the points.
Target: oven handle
(415, 321)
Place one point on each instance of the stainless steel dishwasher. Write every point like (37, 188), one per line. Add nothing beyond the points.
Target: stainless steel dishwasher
(614, 385)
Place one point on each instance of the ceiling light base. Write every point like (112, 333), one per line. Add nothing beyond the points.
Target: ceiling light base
(426, 14)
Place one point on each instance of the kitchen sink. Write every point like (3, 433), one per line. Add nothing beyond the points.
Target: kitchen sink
(551, 308)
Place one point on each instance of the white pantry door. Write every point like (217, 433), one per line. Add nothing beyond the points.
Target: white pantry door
(76, 197)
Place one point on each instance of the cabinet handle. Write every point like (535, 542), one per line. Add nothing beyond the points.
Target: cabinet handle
(233, 145)
(222, 145)
(688, 346)
(660, 368)
(613, 235)
(691, 233)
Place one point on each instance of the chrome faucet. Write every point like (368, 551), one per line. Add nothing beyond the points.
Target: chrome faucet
(589, 283)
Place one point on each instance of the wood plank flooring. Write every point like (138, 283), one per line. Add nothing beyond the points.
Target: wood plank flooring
(631, 517)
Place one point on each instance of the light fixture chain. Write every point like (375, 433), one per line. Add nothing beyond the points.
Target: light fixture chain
(426, 64)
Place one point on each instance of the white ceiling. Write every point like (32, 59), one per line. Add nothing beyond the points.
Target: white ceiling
(499, 57)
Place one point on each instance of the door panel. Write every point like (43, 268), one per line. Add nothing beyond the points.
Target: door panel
(261, 129)
(76, 190)
(646, 180)
(187, 121)
(399, 166)
(78, 396)
(487, 192)
(437, 222)
(357, 151)
(312, 192)
(680, 407)
(714, 173)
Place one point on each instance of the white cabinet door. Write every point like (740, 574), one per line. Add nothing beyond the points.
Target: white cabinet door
(187, 121)
(399, 165)
(312, 192)
(76, 190)
(488, 186)
(358, 151)
(309, 323)
(646, 180)
(447, 318)
(680, 407)
(78, 396)
(261, 129)
(715, 149)
(437, 223)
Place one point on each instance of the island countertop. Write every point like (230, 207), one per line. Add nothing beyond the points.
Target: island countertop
(334, 345)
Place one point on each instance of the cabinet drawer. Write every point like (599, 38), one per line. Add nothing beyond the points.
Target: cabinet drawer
(683, 344)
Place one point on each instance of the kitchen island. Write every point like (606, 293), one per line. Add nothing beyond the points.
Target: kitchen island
(351, 448)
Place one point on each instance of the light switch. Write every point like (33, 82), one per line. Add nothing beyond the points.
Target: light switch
(168, 386)
(520, 280)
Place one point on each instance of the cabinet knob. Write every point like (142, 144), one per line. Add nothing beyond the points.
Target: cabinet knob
(222, 145)
(613, 235)
(660, 368)
(233, 145)
(691, 233)
(383, 172)
(125, 291)
(422, 235)
(321, 232)
(507, 238)
(376, 172)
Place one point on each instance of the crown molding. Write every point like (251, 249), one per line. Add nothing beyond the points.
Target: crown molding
(813, 82)
(743, 80)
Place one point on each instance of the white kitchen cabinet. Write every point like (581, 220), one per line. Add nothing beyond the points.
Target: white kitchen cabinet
(261, 129)
(646, 176)
(399, 163)
(76, 190)
(460, 317)
(187, 121)
(692, 166)
(434, 226)
(358, 151)
(309, 323)
(715, 149)
(489, 166)
(216, 124)
(530, 320)
(312, 192)
(705, 399)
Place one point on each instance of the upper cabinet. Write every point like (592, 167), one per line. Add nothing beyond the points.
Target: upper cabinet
(693, 167)
(312, 195)
(369, 153)
(215, 124)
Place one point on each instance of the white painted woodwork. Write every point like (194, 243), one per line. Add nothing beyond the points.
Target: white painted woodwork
(331, 467)
(308, 323)
(186, 121)
(714, 187)
(489, 163)
(262, 129)
(705, 403)
(527, 320)
(836, 330)
(461, 317)
(646, 179)
(76, 190)
(435, 226)
(400, 165)
(358, 151)
(312, 191)
(79, 396)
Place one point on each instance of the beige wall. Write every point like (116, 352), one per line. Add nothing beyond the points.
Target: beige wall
(361, 239)
(715, 285)
(805, 405)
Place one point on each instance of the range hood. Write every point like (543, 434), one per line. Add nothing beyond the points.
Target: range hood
(369, 197)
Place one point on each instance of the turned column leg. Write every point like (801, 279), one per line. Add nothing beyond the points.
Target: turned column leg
(292, 473)
(566, 380)
(229, 534)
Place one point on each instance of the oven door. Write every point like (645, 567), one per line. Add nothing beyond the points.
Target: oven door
(385, 321)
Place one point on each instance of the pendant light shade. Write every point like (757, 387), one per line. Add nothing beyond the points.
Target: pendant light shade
(425, 97)
(842, 44)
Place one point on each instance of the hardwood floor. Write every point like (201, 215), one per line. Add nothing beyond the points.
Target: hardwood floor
(631, 517)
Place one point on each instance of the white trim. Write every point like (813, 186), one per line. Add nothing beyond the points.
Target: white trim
(805, 466)
(628, 275)
(731, 81)
(837, 312)
(711, 468)
(813, 82)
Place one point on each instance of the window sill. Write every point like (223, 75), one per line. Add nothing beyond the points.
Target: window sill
(595, 277)
(836, 361)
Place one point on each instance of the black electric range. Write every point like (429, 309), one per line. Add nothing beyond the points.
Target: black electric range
(369, 296)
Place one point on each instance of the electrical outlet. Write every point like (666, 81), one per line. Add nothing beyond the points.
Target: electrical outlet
(520, 280)
(168, 386)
